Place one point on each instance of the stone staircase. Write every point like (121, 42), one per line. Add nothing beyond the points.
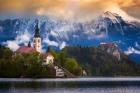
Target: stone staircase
(62, 72)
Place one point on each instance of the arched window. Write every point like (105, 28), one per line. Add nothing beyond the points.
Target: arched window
(38, 41)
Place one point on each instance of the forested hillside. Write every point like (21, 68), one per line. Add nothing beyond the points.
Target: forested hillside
(99, 63)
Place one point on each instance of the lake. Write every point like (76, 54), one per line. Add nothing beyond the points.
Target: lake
(71, 85)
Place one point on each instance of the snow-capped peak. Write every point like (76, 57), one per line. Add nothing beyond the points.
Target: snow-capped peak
(110, 15)
(115, 18)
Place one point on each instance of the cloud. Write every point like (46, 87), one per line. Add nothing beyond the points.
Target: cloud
(127, 3)
(50, 43)
(79, 10)
(100, 36)
(62, 45)
(132, 50)
(13, 45)
(23, 38)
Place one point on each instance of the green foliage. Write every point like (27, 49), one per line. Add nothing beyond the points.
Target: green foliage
(50, 71)
(5, 53)
(61, 58)
(54, 53)
(99, 63)
(75, 59)
(34, 70)
(70, 64)
(21, 65)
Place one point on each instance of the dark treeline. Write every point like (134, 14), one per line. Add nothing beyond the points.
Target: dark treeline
(19, 65)
(30, 65)
(75, 59)
(99, 63)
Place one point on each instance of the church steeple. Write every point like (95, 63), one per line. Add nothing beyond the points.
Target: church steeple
(37, 38)
(37, 33)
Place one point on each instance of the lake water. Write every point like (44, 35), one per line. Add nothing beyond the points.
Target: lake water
(78, 85)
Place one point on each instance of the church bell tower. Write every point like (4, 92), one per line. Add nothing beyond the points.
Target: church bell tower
(37, 39)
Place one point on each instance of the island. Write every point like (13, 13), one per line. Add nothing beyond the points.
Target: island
(105, 60)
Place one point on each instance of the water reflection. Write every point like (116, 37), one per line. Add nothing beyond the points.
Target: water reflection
(70, 87)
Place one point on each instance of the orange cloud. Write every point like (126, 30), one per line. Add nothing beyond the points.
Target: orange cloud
(70, 9)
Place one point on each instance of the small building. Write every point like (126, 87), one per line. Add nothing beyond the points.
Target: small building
(111, 48)
(59, 72)
(116, 53)
(84, 73)
(48, 58)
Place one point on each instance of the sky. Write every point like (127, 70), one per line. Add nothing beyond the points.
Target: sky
(77, 10)
(70, 9)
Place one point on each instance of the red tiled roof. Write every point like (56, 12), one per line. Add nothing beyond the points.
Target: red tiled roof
(49, 54)
(107, 44)
(44, 55)
(25, 49)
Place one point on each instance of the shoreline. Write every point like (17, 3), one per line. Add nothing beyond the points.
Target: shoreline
(89, 79)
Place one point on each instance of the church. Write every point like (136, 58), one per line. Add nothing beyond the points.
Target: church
(47, 57)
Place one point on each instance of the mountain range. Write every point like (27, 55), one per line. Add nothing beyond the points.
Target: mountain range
(108, 27)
